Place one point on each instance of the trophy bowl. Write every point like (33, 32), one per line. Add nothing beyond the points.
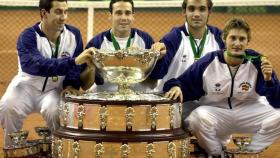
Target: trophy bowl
(242, 142)
(126, 66)
(43, 132)
(19, 138)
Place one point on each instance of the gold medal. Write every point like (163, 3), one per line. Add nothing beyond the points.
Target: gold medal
(54, 78)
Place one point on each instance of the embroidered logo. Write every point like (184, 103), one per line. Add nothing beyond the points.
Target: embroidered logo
(245, 86)
(65, 54)
(184, 58)
(217, 87)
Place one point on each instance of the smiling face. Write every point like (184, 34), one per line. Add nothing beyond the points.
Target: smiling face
(236, 41)
(55, 19)
(197, 13)
(122, 17)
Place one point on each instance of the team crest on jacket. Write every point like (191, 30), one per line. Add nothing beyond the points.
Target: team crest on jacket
(184, 58)
(217, 89)
(65, 54)
(245, 86)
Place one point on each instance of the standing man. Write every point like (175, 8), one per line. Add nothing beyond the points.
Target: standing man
(228, 85)
(120, 36)
(49, 54)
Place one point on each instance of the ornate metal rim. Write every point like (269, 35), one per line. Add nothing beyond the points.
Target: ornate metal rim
(118, 136)
(246, 152)
(119, 102)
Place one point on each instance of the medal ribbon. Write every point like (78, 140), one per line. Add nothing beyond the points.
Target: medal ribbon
(116, 44)
(57, 43)
(197, 51)
(54, 55)
(245, 56)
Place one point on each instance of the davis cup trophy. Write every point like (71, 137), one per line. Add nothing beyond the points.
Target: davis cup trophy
(21, 147)
(242, 142)
(124, 123)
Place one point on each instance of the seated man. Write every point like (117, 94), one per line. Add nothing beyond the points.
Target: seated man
(228, 85)
(49, 54)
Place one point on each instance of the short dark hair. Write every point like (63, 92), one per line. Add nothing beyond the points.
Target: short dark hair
(236, 23)
(47, 4)
(209, 2)
(115, 1)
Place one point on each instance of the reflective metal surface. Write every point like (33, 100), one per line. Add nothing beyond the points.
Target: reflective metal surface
(19, 138)
(43, 132)
(110, 96)
(29, 149)
(119, 117)
(91, 149)
(125, 67)
(235, 153)
(242, 142)
(44, 144)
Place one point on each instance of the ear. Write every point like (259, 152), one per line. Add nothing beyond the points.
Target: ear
(224, 40)
(109, 16)
(43, 13)
(183, 13)
(133, 16)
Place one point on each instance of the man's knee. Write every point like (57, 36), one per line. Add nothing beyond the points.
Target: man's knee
(271, 124)
(200, 118)
(50, 112)
(8, 107)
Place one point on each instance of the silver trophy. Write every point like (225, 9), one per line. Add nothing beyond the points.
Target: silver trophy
(21, 147)
(242, 142)
(43, 132)
(19, 138)
(45, 143)
(125, 67)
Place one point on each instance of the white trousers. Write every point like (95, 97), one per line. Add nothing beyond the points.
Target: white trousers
(20, 100)
(213, 125)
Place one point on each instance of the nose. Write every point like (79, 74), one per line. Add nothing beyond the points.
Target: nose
(237, 43)
(123, 17)
(196, 13)
(63, 16)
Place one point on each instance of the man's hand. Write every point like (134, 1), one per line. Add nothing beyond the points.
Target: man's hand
(85, 57)
(87, 77)
(159, 47)
(174, 93)
(70, 90)
(266, 68)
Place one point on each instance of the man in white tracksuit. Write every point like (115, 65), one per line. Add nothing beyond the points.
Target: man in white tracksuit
(228, 85)
(120, 36)
(49, 54)
(186, 44)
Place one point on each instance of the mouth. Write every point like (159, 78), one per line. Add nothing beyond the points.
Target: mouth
(197, 20)
(124, 24)
(237, 49)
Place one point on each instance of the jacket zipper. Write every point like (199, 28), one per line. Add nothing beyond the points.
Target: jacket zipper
(232, 85)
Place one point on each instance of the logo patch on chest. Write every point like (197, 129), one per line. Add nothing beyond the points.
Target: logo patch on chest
(217, 89)
(245, 86)
(184, 58)
(65, 54)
